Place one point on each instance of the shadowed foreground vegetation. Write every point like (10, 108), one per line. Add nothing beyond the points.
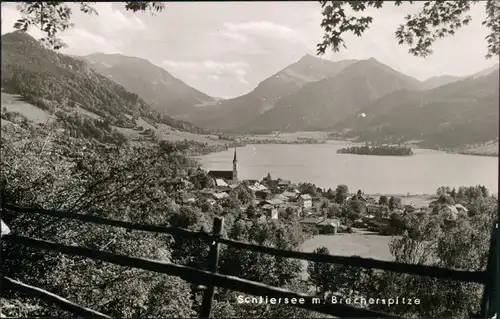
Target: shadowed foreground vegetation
(142, 184)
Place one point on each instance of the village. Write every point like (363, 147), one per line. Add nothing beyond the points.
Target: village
(322, 212)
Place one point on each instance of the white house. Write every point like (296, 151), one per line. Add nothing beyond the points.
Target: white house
(305, 200)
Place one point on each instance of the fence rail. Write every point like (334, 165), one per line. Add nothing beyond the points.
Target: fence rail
(211, 278)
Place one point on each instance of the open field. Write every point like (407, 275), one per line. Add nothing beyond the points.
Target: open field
(368, 245)
(14, 103)
(166, 133)
(414, 200)
(487, 149)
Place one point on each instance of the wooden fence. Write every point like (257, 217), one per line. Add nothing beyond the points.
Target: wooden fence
(211, 279)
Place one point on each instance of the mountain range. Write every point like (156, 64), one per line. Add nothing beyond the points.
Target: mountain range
(234, 113)
(60, 84)
(459, 113)
(310, 94)
(164, 92)
(320, 105)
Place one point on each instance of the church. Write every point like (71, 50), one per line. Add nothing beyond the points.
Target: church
(229, 177)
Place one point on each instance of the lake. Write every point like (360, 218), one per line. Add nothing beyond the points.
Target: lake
(320, 164)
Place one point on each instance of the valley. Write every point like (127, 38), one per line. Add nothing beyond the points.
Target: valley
(169, 164)
(139, 101)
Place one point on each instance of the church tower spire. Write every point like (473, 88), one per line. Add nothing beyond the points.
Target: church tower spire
(235, 168)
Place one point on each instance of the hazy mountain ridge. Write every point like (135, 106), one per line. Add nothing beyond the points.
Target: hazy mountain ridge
(233, 113)
(456, 114)
(164, 92)
(54, 82)
(439, 80)
(322, 104)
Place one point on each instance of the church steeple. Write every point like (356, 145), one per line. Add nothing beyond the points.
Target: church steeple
(235, 168)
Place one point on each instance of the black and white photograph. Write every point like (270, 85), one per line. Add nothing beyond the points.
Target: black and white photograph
(250, 159)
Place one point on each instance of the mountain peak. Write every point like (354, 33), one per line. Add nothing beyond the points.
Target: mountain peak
(309, 56)
(160, 89)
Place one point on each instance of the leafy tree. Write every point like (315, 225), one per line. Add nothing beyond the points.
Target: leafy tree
(241, 194)
(330, 194)
(130, 184)
(383, 200)
(446, 199)
(54, 17)
(200, 179)
(251, 211)
(453, 193)
(341, 193)
(320, 273)
(308, 188)
(354, 210)
(359, 193)
(395, 203)
(436, 20)
(429, 240)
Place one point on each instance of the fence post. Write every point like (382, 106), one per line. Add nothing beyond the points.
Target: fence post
(489, 303)
(4, 229)
(213, 262)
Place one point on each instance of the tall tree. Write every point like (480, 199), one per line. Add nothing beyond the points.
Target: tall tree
(320, 273)
(436, 19)
(383, 200)
(341, 193)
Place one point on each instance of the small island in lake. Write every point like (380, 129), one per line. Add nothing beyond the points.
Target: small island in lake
(382, 150)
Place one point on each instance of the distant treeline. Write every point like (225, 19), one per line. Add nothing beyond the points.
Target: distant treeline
(384, 150)
(194, 148)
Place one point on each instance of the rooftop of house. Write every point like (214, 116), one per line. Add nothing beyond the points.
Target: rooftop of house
(227, 175)
(452, 208)
(274, 201)
(289, 194)
(220, 195)
(207, 191)
(257, 187)
(460, 206)
(220, 182)
(305, 196)
(320, 221)
(250, 181)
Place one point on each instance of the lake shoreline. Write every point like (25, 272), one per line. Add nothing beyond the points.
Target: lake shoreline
(319, 164)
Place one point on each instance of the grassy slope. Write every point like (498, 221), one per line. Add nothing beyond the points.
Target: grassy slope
(15, 103)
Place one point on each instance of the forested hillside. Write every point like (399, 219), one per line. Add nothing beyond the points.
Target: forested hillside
(164, 92)
(233, 114)
(320, 105)
(453, 115)
(56, 82)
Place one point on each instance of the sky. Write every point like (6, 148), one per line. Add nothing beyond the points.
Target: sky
(226, 48)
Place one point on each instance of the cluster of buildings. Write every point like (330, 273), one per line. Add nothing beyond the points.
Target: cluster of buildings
(271, 198)
(276, 198)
